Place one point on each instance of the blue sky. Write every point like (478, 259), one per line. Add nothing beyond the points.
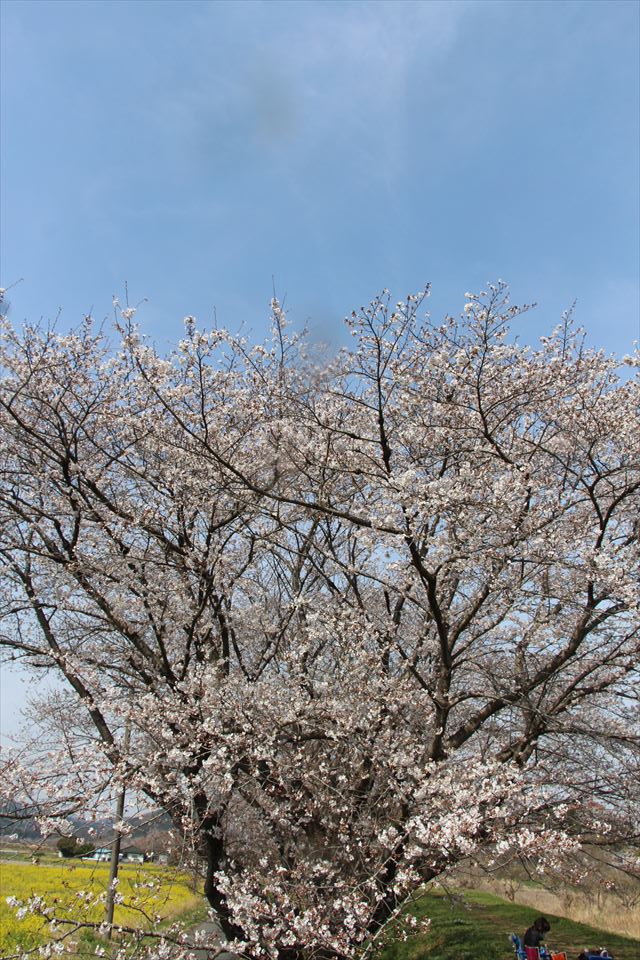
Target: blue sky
(197, 149)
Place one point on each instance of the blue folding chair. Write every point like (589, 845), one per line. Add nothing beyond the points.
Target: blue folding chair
(517, 947)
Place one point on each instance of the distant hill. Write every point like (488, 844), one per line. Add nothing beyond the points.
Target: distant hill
(17, 820)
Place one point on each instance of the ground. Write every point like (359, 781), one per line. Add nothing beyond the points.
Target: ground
(473, 925)
(465, 924)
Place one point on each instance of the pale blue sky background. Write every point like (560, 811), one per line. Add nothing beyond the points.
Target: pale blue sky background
(195, 149)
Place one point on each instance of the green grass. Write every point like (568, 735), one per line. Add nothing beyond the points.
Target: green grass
(477, 925)
(472, 925)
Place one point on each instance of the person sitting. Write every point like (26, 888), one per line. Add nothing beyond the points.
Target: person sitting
(535, 935)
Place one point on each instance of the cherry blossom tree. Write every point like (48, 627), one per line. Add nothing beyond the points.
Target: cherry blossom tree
(364, 618)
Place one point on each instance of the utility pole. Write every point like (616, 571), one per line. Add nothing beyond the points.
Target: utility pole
(117, 841)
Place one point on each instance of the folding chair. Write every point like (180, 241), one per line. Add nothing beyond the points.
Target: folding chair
(518, 949)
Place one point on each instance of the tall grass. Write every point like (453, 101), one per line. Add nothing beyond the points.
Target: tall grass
(595, 908)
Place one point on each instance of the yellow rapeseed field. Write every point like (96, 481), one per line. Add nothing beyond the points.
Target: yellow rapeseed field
(147, 890)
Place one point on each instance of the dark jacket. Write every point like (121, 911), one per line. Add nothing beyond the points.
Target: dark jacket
(533, 937)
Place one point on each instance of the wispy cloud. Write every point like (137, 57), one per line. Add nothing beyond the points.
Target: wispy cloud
(289, 80)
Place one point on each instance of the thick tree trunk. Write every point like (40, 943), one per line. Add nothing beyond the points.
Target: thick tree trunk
(213, 850)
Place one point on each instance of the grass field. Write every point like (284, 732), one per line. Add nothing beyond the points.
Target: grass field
(472, 925)
(476, 926)
(593, 908)
(169, 896)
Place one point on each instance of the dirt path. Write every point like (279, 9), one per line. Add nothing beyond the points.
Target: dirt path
(216, 950)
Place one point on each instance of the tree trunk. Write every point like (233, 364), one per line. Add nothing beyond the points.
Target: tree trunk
(213, 850)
